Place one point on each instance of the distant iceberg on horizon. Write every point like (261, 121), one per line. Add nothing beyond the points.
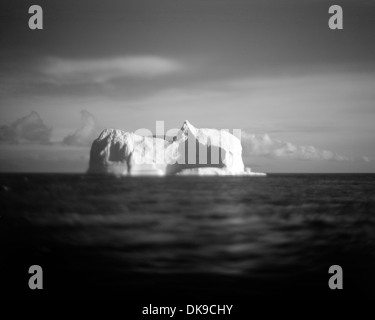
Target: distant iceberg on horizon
(192, 151)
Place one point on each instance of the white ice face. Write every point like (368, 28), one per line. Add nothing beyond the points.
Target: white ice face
(207, 152)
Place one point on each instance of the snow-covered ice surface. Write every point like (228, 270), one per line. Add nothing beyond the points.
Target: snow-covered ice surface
(192, 151)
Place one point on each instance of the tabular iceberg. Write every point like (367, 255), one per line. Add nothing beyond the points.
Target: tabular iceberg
(192, 151)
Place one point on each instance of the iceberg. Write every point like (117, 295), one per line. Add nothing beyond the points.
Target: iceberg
(192, 151)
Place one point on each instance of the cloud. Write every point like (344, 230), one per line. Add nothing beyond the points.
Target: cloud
(262, 145)
(103, 70)
(366, 159)
(30, 128)
(88, 131)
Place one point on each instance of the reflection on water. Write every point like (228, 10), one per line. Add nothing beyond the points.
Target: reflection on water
(280, 228)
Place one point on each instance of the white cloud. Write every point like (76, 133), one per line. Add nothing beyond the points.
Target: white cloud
(103, 70)
(366, 159)
(30, 128)
(88, 131)
(263, 145)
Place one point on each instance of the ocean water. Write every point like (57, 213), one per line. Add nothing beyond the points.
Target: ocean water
(188, 237)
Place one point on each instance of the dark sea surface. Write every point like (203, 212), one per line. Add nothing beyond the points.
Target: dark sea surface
(187, 237)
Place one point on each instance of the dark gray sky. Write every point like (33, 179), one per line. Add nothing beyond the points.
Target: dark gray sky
(271, 68)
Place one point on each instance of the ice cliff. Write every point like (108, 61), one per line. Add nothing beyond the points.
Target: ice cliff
(192, 151)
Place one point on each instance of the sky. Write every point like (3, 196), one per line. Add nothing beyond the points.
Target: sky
(302, 94)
